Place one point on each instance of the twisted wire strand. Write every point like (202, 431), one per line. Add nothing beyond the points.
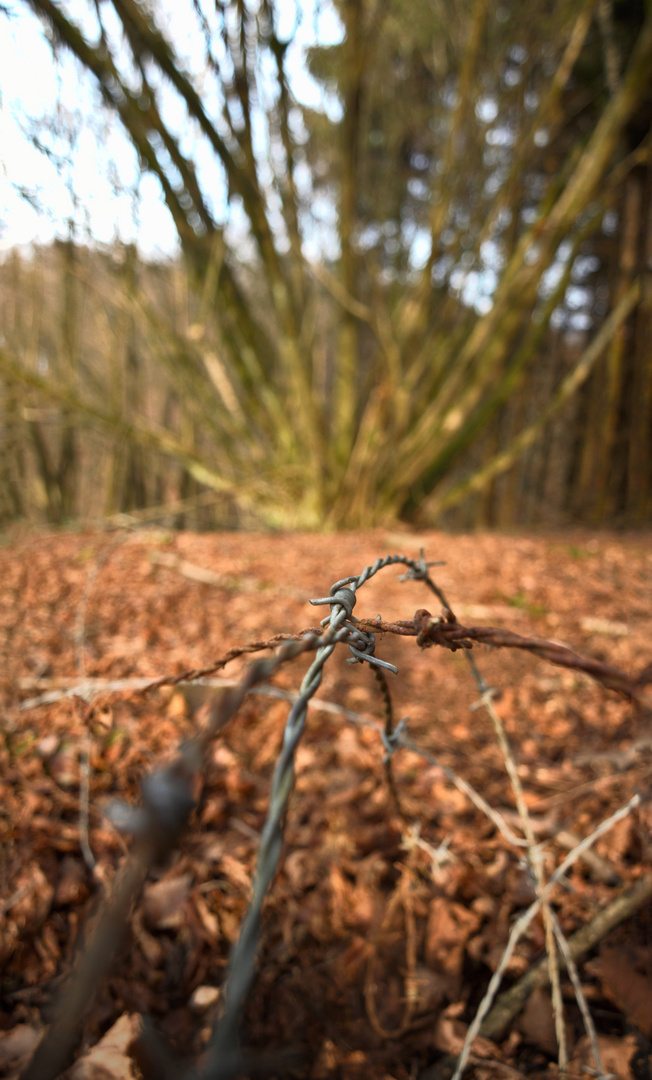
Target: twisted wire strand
(223, 1055)
(222, 1061)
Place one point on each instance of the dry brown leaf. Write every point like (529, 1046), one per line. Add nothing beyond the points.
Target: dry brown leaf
(207, 918)
(301, 870)
(177, 706)
(110, 1058)
(203, 998)
(450, 1031)
(622, 983)
(150, 946)
(34, 894)
(449, 928)
(164, 901)
(537, 1022)
(236, 872)
(64, 765)
(71, 887)
(17, 1046)
(615, 1053)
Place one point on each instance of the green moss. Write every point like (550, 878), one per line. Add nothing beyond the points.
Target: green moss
(520, 600)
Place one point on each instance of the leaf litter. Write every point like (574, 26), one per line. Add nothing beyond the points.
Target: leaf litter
(385, 922)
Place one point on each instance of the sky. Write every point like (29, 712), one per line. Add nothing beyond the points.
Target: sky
(93, 178)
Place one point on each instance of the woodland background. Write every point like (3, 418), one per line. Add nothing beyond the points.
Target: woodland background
(434, 304)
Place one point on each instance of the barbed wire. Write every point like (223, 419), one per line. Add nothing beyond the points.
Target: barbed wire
(167, 794)
(223, 1049)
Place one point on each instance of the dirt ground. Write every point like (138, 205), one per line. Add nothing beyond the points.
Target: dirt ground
(385, 923)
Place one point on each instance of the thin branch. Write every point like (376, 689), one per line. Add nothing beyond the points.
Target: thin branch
(491, 1024)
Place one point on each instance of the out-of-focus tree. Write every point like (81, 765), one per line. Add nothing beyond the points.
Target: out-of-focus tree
(374, 278)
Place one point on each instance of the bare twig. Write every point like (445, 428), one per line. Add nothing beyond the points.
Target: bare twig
(84, 789)
(621, 908)
(573, 973)
(491, 1024)
(535, 861)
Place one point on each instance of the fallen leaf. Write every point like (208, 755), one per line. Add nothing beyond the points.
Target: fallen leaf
(110, 1058)
(34, 894)
(163, 902)
(204, 997)
(17, 1046)
(449, 928)
(615, 1054)
(537, 1023)
(621, 983)
(71, 888)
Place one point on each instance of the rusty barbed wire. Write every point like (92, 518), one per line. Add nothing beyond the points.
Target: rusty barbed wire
(447, 632)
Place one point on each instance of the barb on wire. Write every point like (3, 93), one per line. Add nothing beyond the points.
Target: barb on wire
(390, 737)
(418, 571)
(362, 644)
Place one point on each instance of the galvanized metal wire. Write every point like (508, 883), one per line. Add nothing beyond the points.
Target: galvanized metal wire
(223, 1058)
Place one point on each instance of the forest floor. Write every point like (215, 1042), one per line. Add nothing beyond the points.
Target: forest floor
(384, 923)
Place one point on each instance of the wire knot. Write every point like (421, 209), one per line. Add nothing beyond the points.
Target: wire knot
(363, 650)
(418, 570)
(392, 740)
(343, 596)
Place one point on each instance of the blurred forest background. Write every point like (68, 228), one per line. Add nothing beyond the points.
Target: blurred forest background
(436, 304)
